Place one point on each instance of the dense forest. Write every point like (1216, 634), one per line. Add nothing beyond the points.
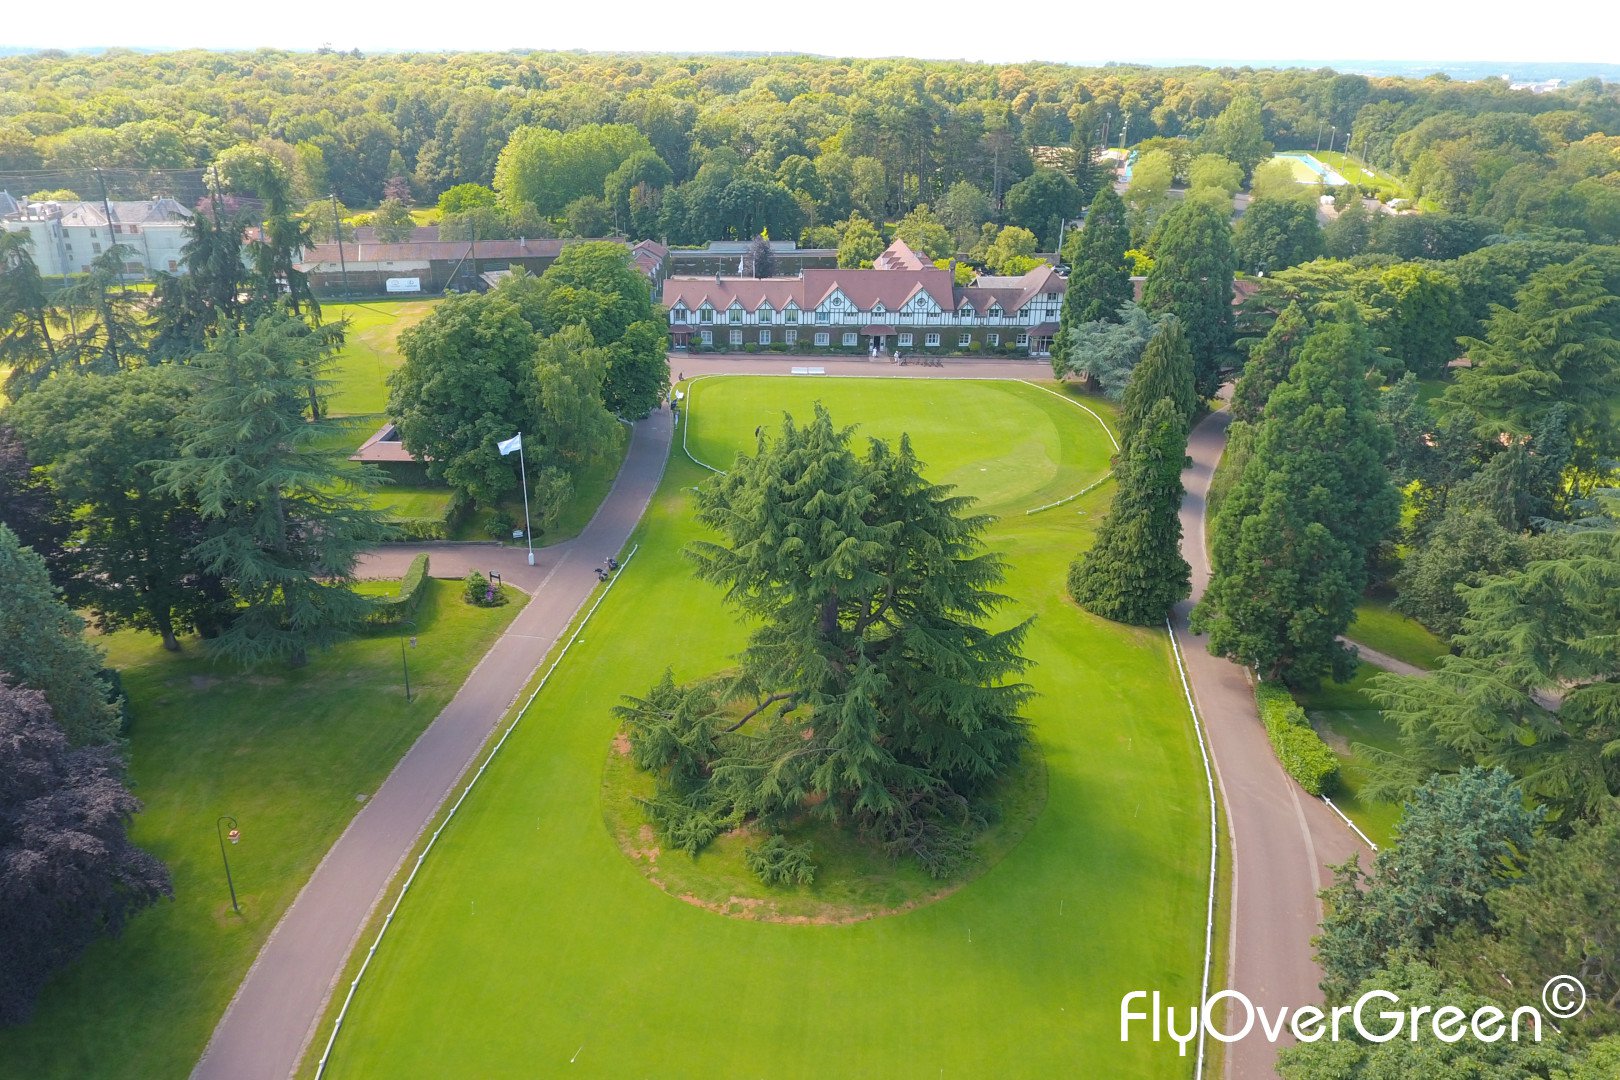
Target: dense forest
(698, 148)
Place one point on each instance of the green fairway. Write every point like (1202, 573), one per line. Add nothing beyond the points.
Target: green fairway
(1385, 630)
(370, 352)
(1350, 721)
(530, 946)
(288, 753)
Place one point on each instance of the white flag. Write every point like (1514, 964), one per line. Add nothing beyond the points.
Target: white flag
(509, 445)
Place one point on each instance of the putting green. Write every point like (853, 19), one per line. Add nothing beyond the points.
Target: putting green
(529, 946)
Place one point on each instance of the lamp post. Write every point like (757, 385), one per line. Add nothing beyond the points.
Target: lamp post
(233, 836)
(406, 664)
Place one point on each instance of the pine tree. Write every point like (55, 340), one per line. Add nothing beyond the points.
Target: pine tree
(1192, 279)
(1558, 345)
(1100, 274)
(27, 346)
(42, 646)
(1291, 545)
(1269, 363)
(1135, 573)
(878, 697)
(285, 526)
(1165, 371)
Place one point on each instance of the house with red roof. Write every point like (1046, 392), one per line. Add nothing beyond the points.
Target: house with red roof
(902, 303)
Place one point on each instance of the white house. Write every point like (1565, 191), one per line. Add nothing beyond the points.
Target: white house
(69, 235)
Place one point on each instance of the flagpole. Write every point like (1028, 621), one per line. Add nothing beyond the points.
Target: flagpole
(528, 533)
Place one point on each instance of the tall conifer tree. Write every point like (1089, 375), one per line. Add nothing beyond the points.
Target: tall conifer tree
(285, 526)
(1135, 573)
(1166, 371)
(1100, 274)
(1192, 278)
(1291, 545)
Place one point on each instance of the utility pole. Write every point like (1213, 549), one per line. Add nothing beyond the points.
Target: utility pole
(337, 231)
(213, 193)
(106, 209)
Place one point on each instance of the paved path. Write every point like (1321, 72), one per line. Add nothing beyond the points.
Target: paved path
(1383, 660)
(273, 1016)
(1280, 839)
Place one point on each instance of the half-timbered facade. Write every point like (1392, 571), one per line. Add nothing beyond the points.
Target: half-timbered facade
(903, 303)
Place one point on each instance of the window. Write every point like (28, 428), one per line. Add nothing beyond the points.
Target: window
(734, 315)
(173, 266)
(678, 315)
(932, 341)
(964, 339)
(706, 314)
(95, 249)
(878, 308)
(851, 339)
(823, 338)
(764, 337)
(992, 339)
(995, 311)
(791, 315)
(707, 337)
(790, 336)
(765, 314)
(823, 318)
(1023, 340)
(905, 341)
(736, 337)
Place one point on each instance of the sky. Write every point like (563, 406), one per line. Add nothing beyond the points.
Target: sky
(1058, 30)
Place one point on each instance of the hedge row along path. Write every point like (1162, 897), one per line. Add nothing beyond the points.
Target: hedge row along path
(1279, 842)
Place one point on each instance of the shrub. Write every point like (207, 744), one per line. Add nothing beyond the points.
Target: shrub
(777, 862)
(422, 528)
(396, 609)
(498, 526)
(481, 591)
(751, 347)
(1299, 749)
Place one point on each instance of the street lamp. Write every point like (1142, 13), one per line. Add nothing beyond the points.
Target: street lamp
(406, 664)
(233, 836)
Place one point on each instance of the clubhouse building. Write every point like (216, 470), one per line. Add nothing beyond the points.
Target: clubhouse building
(902, 303)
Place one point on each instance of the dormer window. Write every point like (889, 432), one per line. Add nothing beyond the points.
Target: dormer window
(766, 313)
(790, 314)
(705, 314)
(734, 314)
(878, 308)
(995, 311)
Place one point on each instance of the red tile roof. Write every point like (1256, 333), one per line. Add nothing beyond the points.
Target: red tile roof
(898, 276)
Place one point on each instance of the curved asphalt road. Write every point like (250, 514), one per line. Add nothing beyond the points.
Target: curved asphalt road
(1279, 838)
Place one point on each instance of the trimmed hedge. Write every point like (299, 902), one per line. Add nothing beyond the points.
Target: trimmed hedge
(1298, 747)
(397, 609)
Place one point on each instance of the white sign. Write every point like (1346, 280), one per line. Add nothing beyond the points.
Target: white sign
(517, 534)
(404, 284)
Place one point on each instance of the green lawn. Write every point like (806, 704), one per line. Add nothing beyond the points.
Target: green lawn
(530, 946)
(1379, 627)
(370, 352)
(1303, 173)
(288, 753)
(1356, 171)
(1349, 720)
